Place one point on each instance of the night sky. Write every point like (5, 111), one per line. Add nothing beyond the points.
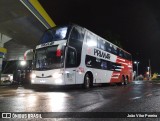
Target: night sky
(136, 22)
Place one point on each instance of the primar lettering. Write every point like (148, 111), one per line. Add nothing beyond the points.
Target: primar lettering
(102, 54)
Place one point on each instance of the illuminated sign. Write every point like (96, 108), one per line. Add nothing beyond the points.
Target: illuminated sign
(47, 44)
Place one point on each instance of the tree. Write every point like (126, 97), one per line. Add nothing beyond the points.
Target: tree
(155, 76)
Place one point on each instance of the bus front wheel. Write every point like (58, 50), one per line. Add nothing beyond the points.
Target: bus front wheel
(87, 81)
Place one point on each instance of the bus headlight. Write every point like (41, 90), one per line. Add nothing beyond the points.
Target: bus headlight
(33, 75)
(56, 75)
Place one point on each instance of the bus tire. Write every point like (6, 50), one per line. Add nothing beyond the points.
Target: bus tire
(122, 81)
(126, 81)
(127, 78)
(87, 81)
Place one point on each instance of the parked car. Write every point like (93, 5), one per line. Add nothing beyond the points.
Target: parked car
(6, 78)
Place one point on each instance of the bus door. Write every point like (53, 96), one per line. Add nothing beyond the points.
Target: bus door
(70, 67)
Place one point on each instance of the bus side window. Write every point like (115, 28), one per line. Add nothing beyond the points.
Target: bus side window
(114, 50)
(107, 47)
(101, 44)
(91, 40)
(121, 54)
(71, 58)
(125, 55)
(128, 57)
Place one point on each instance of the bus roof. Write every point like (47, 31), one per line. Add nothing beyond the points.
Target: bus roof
(73, 24)
(101, 37)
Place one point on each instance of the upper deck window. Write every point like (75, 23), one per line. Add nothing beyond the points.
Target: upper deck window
(91, 40)
(54, 34)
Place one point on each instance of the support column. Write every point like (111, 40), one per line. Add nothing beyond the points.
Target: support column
(3, 51)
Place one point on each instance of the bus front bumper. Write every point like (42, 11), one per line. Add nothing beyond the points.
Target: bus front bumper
(48, 81)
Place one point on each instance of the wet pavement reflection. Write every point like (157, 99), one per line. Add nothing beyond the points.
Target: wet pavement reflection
(137, 96)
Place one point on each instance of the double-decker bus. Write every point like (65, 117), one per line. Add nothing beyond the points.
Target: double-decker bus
(72, 54)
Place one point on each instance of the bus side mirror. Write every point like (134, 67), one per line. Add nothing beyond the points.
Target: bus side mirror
(29, 53)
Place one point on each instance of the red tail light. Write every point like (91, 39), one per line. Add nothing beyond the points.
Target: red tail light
(58, 53)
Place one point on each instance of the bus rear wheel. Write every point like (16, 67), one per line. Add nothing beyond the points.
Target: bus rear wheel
(87, 81)
(126, 82)
(123, 82)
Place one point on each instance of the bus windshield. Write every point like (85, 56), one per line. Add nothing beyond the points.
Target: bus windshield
(54, 34)
(48, 58)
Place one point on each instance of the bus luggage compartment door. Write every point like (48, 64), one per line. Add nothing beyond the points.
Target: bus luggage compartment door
(70, 66)
(70, 76)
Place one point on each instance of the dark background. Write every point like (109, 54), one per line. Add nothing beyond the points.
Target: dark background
(136, 22)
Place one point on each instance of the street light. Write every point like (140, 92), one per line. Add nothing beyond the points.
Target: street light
(22, 63)
(148, 72)
(136, 62)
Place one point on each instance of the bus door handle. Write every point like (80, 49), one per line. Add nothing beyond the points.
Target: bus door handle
(74, 70)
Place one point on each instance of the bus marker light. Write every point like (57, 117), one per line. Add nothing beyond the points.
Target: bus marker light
(81, 69)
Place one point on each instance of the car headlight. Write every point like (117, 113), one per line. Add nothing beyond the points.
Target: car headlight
(56, 75)
(33, 75)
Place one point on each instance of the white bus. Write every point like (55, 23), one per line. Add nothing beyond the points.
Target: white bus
(69, 55)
